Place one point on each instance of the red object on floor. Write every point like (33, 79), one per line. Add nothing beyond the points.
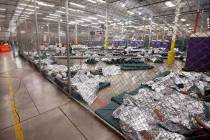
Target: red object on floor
(100, 102)
(5, 48)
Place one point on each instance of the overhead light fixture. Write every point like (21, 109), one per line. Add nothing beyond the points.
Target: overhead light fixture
(183, 20)
(72, 22)
(139, 13)
(17, 11)
(123, 5)
(45, 4)
(94, 18)
(60, 12)
(29, 13)
(88, 20)
(32, 10)
(21, 8)
(169, 4)
(78, 5)
(2, 9)
(101, 16)
(92, 1)
(79, 21)
(101, 22)
(55, 15)
(22, 32)
(187, 25)
(101, 1)
(94, 23)
(130, 12)
(28, 5)
(49, 19)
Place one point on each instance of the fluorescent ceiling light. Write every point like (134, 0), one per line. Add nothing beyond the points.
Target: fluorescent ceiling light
(120, 23)
(79, 21)
(32, 10)
(101, 1)
(130, 12)
(92, 1)
(123, 5)
(187, 25)
(93, 18)
(55, 15)
(29, 13)
(2, 9)
(49, 19)
(183, 20)
(72, 22)
(101, 22)
(60, 12)
(78, 5)
(101, 16)
(86, 19)
(21, 8)
(72, 9)
(27, 5)
(45, 4)
(95, 27)
(94, 23)
(116, 20)
(169, 4)
(85, 25)
(17, 11)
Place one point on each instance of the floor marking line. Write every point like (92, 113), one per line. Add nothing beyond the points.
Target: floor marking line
(15, 116)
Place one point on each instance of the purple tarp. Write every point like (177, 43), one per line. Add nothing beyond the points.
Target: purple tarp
(198, 55)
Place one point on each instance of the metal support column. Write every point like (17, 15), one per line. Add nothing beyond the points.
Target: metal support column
(76, 33)
(37, 32)
(106, 44)
(171, 55)
(150, 33)
(48, 29)
(68, 45)
(59, 31)
(144, 30)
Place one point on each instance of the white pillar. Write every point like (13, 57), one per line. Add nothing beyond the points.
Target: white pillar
(106, 32)
(59, 31)
(48, 28)
(150, 32)
(76, 33)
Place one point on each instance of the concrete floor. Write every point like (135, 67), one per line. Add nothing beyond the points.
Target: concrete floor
(45, 113)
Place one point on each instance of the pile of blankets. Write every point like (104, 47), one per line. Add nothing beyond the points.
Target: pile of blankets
(171, 107)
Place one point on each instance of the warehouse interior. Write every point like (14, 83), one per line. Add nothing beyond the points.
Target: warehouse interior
(104, 69)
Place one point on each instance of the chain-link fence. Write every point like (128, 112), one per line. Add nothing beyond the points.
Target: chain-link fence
(152, 81)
